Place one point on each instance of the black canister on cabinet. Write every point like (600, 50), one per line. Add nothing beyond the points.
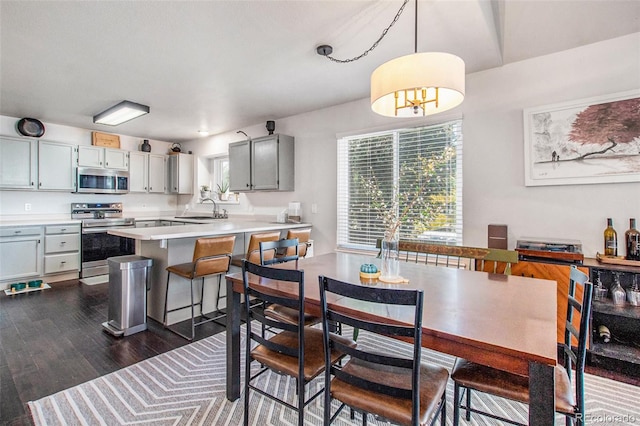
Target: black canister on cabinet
(145, 147)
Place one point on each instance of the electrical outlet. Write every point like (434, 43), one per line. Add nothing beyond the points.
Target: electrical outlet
(27, 207)
(314, 208)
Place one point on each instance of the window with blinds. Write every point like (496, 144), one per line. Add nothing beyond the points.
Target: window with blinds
(412, 174)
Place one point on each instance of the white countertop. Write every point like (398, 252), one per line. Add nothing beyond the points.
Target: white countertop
(37, 222)
(215, 227)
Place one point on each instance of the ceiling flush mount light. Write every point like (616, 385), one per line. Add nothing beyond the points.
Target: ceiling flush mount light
(121, 113)
(203, 133)
(414, 85)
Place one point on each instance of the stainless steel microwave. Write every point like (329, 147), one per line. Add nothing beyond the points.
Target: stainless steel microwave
(102, 181)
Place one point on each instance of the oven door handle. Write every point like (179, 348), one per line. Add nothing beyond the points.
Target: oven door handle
(103, 230)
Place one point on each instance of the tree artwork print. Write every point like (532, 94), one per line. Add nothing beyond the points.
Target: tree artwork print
(593, 142)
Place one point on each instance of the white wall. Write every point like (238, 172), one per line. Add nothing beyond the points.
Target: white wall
(59, 203)
(494, 190)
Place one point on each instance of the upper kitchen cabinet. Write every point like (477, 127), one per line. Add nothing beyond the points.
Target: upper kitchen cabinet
(100, 157)
(138, 172)
(180, 172)
(18, 163)
(262, 164)
(56, 166)
(158, 173)
(147, 172)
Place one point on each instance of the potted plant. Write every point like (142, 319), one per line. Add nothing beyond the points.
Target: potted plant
(205, 191)
(223, 191)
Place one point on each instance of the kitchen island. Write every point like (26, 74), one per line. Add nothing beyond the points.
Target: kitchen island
(171, 245)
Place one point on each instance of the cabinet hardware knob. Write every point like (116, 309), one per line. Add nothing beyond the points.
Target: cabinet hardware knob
(63, 262)
(62, 243)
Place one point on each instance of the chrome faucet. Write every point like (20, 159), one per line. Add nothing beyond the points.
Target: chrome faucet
(215, 206)
(216, 214)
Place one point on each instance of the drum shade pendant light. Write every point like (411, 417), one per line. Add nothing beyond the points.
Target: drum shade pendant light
(419, 84)
(121, 113)
(414, 85)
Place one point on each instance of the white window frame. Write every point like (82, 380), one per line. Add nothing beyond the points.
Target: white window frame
(343, 179)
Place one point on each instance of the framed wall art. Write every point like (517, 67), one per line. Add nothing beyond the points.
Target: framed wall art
(595, 140)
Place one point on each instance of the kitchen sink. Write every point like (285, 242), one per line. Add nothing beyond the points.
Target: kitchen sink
(196, 217)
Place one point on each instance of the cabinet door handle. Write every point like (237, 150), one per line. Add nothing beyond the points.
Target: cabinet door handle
(17, 232)
(63, 243)
(247, 185)
(63, 262)
(63, 229)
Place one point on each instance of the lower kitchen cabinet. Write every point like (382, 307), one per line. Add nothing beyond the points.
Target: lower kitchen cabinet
(20, 252)
(62, 248)
(558, 273)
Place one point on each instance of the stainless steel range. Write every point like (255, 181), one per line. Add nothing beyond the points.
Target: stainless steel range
(97, 244)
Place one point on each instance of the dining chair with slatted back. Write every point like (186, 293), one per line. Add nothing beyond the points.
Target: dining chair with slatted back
(461, 257)
(468, 376)
(399, 388)
(278, 251)
(296, 351)
(497, 261)
(211, 256)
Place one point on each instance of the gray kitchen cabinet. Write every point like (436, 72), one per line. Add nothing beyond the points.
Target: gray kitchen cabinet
(157, 173)
(18, 163)
(138, 172)
(56, 166)
(61, 248)
(262, 164)
(147, 172)
(20, 252)
(100, 157)
(180, 171)
(240, 166)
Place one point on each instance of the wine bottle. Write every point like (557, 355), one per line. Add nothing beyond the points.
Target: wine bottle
(610, 239)
(632, 238)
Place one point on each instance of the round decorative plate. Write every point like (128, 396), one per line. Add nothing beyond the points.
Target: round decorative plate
(30, 127)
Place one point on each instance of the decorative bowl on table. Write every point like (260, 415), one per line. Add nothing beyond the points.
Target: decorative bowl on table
(369, 271)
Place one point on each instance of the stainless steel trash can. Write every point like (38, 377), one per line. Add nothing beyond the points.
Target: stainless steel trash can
(128, 277)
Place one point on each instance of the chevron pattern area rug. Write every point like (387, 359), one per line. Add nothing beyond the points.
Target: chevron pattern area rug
(187, 387)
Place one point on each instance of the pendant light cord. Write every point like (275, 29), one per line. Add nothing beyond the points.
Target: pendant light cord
(415, 49)
(384, 33)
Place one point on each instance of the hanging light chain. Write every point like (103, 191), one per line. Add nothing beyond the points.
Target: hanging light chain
(374, 45)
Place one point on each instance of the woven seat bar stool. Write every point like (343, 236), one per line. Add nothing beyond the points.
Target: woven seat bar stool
(468, 376)
(211, 256)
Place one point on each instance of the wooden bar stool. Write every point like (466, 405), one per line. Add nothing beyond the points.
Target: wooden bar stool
(211, 256)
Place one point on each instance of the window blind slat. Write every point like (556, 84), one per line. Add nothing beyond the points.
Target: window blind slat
(395, 165)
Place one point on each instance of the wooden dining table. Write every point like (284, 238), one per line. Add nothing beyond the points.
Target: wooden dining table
(502, 321)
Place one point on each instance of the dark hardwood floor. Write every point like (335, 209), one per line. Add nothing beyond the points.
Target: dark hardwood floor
(53, 339)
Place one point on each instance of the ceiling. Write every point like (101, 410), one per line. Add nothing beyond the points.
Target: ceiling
(222, 65)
